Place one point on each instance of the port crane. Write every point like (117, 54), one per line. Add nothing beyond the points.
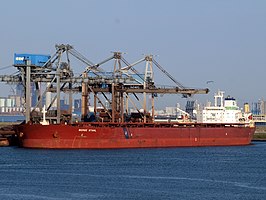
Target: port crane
(57, 76)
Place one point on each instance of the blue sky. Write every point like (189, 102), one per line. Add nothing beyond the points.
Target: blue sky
(195, 40)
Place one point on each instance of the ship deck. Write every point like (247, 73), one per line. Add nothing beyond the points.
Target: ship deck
(158, 125)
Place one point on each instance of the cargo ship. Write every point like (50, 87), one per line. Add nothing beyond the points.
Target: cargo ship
(114, 126)
(218, 125)
(134, 135)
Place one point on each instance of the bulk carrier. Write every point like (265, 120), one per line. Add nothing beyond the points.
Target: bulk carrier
(114, 126)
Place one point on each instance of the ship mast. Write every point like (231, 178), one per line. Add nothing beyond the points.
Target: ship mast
(217, 97)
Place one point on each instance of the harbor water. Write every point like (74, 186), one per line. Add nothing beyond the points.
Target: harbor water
(171, 173)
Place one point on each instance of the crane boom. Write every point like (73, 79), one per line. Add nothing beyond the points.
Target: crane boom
(168, 74)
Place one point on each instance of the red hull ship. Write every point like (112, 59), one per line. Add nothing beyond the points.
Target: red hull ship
(131, 135)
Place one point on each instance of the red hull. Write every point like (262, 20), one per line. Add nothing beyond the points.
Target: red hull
(102, 136)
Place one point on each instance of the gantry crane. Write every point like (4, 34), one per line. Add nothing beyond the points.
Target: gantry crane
(58, 76)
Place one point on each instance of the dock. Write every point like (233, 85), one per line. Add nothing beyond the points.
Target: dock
(8, 136)
(260, 133)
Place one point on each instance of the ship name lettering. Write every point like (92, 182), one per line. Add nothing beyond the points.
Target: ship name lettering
(92, 130)
(83, 130)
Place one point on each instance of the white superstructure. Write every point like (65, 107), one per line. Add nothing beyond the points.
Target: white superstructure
(223, 111)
